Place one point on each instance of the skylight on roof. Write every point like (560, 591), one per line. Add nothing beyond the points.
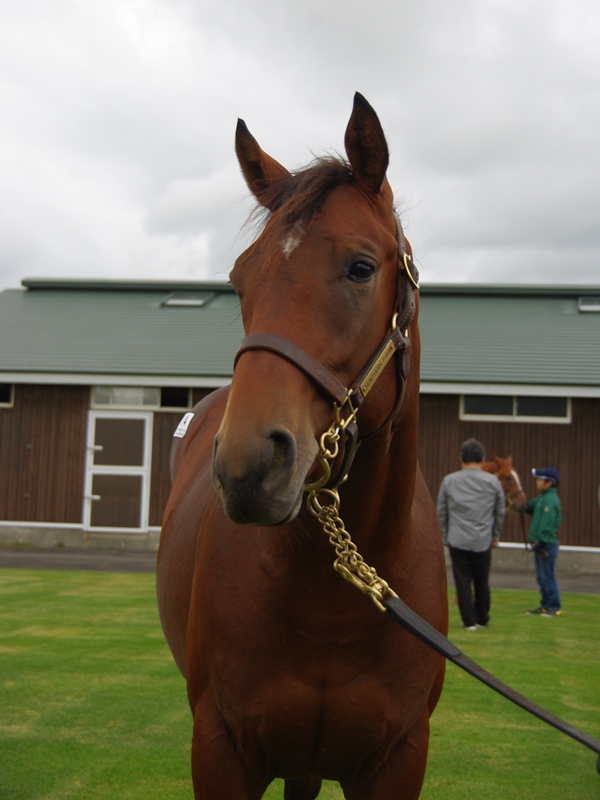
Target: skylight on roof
(590, 303)
(188, 299)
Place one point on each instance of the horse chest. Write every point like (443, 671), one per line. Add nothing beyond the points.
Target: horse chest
(304, 697)
(299, 727)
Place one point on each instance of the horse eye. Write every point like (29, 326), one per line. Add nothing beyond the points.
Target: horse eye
(360, 272)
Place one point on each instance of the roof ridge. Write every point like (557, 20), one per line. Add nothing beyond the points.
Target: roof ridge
(125, 284)
(566, 290)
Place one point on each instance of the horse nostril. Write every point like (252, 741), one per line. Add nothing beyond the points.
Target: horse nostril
(215, 448)
(216, 478)
(269, 461)
(283, 456)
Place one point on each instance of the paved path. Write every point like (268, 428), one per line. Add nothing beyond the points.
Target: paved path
(587, 584)
(100, 560)
(115, 561)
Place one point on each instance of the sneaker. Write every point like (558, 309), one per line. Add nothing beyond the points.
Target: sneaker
(535, 611)
(469, 627)
(480, 626)
(557, 613)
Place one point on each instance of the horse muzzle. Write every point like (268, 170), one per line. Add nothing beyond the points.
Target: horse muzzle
(260, 478)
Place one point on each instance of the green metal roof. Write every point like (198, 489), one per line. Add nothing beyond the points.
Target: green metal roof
(517, 335)
(109, 328)
(471, 334)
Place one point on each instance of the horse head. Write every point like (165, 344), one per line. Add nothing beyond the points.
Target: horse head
(322, 277)
(508, 477)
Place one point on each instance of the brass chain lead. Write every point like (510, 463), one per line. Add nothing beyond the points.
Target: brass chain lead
(349, 562)
(329, 444)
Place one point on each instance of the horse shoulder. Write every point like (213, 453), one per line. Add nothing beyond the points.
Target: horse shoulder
(205, 414)
(190, 473)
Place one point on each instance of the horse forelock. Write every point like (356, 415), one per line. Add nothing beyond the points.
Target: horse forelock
(295, 200)
(290, 204)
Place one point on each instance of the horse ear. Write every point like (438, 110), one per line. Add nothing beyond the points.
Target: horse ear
(509, 460)
(366, 147)
(499, 461)
(260, 171)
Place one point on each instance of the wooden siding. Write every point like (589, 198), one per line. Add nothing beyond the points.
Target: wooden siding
(574, 449)
(42, 454)
(43, 438)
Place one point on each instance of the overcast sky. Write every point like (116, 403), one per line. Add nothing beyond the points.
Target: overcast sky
(117, 120)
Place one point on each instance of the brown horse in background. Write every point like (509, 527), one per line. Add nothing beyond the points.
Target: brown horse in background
(291, 672)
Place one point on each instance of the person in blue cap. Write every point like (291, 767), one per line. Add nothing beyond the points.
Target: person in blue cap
(546, 516)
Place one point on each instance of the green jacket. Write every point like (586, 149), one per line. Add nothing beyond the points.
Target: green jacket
(546, 516)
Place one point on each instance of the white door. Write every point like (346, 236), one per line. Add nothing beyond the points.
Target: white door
(117, 487)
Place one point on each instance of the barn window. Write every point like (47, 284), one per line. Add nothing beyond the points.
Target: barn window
(175, 397)
(6, 395)
(148, 397)
(125, 397)
(188, 299)
(507, 408)
(590, 303)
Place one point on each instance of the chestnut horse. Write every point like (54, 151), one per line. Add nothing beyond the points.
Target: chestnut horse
(290, 671)
(508, 477)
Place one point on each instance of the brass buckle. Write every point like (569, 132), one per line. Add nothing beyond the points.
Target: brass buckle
(405, 259)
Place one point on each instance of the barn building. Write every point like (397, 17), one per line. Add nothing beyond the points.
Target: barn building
(96, 375)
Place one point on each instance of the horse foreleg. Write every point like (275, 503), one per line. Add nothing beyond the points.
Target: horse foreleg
(218, 771)
(302, 789)
(400, 775)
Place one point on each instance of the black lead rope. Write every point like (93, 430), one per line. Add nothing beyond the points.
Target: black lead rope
(402, 615)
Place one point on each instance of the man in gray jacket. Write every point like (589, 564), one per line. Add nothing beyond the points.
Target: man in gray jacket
(471, 507)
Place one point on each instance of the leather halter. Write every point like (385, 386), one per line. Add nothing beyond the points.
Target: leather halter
(396, 343)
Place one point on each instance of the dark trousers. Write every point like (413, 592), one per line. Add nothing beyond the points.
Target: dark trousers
(471, 573)
(544, 573)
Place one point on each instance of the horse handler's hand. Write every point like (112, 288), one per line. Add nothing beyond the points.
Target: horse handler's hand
(494, 542)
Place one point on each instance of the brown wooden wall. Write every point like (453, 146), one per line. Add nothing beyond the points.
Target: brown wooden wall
(574, 449)
(43, 438)
(42, 454)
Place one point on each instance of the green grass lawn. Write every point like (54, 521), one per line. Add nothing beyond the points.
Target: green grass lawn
(92, 706)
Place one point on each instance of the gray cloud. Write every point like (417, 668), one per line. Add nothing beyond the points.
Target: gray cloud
(116, 147)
